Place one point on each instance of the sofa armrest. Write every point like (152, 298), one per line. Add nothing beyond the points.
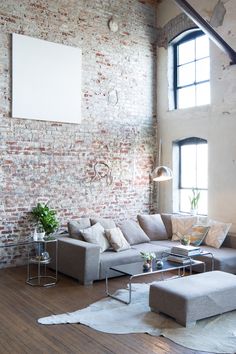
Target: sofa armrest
(78, 259)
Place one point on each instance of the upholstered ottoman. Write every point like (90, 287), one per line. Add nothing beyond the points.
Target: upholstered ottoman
(194, 297)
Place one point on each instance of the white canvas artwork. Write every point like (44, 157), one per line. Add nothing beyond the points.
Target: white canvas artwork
(46, 80)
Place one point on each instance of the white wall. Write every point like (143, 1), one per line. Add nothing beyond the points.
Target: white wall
(215, 122)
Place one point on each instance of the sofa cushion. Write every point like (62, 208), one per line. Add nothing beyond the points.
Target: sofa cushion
(152, 247)
(153, 226)
(75, 227)
(106, 223)
(96, 234)
(224, 259)
(133, 233)
(181, 225)
(217, 233)
(166, 218)
(230, 241)
(110, 258)
(116, 239)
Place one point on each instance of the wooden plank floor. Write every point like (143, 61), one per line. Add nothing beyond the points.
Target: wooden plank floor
(21, 305)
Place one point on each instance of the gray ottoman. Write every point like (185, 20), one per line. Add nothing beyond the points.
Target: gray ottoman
(194, 297)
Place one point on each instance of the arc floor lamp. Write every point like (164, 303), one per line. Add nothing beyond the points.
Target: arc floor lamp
(161, 173)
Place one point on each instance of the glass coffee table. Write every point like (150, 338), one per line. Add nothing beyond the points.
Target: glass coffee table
(135, 270)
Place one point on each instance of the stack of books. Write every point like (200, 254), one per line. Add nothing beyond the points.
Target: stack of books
(178, 259)
(187, 251)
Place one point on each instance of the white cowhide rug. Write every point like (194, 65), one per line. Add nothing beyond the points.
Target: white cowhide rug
(216, 334)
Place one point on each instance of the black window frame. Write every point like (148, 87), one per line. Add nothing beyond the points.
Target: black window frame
(184, 38)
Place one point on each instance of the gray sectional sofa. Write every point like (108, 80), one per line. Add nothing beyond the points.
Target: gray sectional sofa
(84, 261)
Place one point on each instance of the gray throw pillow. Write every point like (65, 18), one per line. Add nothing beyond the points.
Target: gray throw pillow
(166, 218)
(133, 233)
(105, 222)
(75, 227)
(153, 226)
(96, 234)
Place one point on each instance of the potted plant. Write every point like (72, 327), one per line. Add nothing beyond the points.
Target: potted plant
(148, 258)
(45, 218)
(184, 239)
(194, 199)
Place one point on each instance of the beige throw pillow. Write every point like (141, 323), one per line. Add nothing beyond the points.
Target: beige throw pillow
(217, 233)
(96, 234)
(117, 239)
(181, 225)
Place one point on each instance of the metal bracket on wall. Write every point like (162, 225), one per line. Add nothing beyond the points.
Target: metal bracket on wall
(207, 28)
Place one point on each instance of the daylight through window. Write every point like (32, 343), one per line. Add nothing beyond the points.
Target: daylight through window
(193, 173)
(192, 70)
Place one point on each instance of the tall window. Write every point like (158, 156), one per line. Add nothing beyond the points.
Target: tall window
(191, 70)
(193, 172)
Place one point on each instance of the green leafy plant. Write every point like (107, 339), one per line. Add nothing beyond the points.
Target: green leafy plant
(148, 256)
(45, 217)
(194, 199)
(184, 239)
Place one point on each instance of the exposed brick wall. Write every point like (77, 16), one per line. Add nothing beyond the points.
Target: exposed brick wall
(43, 161)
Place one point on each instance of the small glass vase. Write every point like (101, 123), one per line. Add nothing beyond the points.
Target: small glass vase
(39, 233)
(147, 265)
(194, 212)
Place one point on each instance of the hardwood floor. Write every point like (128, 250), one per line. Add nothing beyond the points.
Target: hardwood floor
(21, 306)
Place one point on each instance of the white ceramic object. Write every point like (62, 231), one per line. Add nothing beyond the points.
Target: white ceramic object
(40, 236)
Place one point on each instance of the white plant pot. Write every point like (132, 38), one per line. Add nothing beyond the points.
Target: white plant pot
(40, 236)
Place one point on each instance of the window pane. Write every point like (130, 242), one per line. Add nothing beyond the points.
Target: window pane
(202, 47)
(203, 94)
(203, 202)
(185, 203)
(203, 69)
(202, 166)
(186, 74)
(188, 166)
(186, 52)
(186, 97)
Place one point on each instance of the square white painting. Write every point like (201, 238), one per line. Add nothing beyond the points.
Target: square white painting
(46, 80)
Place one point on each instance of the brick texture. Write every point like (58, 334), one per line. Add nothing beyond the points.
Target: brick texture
(48, 161)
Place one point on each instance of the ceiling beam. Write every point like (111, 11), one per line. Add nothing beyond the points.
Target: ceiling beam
(207, 29)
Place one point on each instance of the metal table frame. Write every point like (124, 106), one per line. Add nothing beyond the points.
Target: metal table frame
(170, 266)
(204, 253)
(38, 280)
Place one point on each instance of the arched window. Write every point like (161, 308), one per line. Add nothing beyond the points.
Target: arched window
(191, 74)
(193, 172)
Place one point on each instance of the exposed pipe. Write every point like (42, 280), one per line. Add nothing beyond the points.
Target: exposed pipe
(207, 28)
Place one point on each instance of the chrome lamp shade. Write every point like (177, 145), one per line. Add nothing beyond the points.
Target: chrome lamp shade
(162, 173)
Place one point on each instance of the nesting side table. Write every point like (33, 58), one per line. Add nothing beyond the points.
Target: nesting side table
(42, 260)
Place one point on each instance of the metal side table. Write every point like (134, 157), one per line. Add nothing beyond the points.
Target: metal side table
(42, 260)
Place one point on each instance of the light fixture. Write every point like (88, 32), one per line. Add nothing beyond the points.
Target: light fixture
(161, 173)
